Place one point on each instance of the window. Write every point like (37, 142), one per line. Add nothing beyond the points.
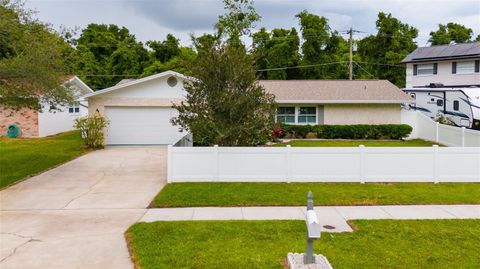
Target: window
(286, 114)
(74, 107)
(426, 69)
(465, 67)
(439, 102)
(307, 115)
(456, 105)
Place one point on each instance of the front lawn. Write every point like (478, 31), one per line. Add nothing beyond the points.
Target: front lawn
(356, 143)
(23, 157)
(294, 194)
(265, 244)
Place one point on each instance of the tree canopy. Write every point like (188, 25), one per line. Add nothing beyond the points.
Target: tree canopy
(451, 32)
(32, 60)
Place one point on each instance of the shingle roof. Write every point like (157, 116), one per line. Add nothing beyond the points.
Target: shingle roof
(335, 91)
(444, 52)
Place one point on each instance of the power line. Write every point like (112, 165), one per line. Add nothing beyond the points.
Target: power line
(365, 70)
(299, 66)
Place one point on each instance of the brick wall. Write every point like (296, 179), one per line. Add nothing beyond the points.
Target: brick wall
(27, 119)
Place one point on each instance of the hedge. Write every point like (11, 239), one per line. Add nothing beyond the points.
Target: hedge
(357, 131)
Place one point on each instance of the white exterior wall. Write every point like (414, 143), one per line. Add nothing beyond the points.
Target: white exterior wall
(444, 75)
(303, 164)
(50, 123)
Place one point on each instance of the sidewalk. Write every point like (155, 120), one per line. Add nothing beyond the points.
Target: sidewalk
(335, 216)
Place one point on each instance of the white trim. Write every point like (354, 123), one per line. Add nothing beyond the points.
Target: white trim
(344, 101)
(130, 83)
(82, 84)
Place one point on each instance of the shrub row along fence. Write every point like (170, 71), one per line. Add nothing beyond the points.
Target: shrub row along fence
(355, 131)
(426, 128)
(344, 164)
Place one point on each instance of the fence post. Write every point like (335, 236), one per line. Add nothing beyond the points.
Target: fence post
(362, 163)
(288, 152)
(437, 135)
(435, 164)
(463, 136)
(169, 164)
(217, 160)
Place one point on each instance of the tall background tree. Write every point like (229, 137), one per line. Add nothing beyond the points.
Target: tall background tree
(451, 32)
(32, 60)
(383, 52)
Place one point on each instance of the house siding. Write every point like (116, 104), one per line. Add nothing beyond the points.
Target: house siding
(362, 114)
(444, 75)
(26, 119)
(98, 104)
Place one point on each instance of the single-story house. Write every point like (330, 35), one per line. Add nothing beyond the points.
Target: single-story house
(139, 111)
(51, 119)
(337, 101)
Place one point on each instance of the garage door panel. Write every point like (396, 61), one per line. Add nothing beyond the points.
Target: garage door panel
(141, 125)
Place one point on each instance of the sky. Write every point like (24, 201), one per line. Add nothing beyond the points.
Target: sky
(154, 19)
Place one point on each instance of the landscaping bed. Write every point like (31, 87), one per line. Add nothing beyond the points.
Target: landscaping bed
(294, 194)
(356, 143)
(265, 244)
(24, 157)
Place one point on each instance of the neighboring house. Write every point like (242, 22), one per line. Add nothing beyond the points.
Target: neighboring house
(445, 81)
(337, 101)
(139, 111)
(451, 65)
(50, 120)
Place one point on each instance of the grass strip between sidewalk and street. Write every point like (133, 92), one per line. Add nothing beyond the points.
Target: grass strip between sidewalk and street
(265, 244)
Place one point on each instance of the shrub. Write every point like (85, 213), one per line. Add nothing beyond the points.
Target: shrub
(91, 128)
(357, 131)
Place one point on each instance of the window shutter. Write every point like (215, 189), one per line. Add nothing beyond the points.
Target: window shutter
(435, 66)
(414, 69)
(454, 67)
(477, 66)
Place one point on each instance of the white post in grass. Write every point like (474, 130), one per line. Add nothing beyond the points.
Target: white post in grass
(437, 136)
(362, 163)
(169, 164)
(435, 164)
(463, 136)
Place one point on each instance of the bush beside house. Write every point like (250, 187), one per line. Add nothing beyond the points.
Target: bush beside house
(357, 131)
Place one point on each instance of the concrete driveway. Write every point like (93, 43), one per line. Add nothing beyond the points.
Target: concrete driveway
(75, 216)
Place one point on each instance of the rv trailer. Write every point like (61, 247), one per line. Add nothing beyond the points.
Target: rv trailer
(459, 105)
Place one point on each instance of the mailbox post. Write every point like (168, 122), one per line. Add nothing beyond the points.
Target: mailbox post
(313, 230)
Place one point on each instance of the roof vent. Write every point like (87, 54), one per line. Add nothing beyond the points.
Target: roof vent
(172, 81)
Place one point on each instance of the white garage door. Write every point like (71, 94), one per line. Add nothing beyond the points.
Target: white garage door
(141, 126)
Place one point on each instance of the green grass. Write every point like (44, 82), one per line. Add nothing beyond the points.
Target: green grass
(356, 143)
(24, 157)
(265, 244)
(294, 194)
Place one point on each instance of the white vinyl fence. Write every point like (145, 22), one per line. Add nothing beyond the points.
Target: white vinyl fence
(426, 128)
(342, 164)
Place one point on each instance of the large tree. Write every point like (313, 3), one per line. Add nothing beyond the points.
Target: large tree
(32, 66)
(451, 32)
(238, 22)
(224, 104)
(383, 52)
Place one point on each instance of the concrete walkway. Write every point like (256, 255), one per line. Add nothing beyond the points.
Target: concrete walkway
(332, 218)
(75, 216)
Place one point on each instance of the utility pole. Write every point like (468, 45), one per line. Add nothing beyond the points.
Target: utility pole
(350, 66)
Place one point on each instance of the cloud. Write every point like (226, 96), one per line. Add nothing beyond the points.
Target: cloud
(149, 19)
